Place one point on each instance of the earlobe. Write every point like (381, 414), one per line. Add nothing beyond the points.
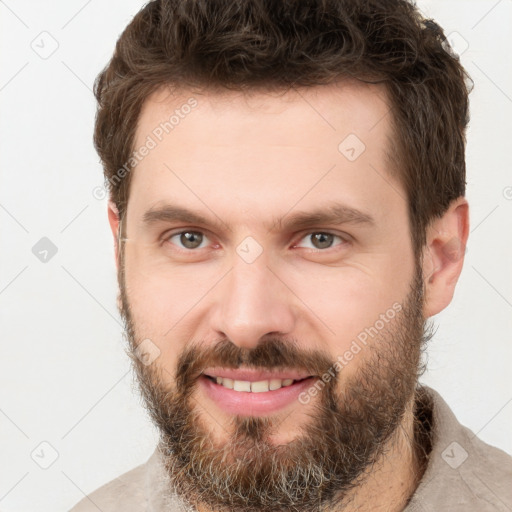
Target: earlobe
(443, 256)
(113, 219)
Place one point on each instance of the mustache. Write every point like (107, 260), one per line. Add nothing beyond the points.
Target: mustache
(271, 354)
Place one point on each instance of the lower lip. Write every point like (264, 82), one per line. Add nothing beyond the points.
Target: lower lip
(253, 404)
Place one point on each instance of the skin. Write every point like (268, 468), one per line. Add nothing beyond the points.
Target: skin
(249, 161)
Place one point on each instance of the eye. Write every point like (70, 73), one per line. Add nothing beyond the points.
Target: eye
(322, 240)
(188, 240)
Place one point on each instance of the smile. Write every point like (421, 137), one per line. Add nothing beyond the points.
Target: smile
(253, 393)
(260, 386)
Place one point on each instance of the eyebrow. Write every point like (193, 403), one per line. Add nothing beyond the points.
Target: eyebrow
(331, 213)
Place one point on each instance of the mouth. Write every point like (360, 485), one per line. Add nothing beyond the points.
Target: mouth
(254, 393)
(260, 386)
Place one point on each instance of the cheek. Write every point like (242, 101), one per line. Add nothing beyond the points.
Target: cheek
(345, 301)
(161, 289)
(165, 299)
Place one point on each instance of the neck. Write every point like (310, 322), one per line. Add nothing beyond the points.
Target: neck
(388, 485)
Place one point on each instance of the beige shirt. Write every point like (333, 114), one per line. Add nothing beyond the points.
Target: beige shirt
(464, 474)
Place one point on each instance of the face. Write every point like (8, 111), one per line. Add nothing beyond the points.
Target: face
(267, 274)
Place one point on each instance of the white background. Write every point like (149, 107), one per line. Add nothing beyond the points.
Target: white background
(64, 378)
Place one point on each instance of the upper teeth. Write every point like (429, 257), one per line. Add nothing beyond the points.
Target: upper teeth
(254, 387)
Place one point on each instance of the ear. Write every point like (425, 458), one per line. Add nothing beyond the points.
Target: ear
(113, 219)
(443, 256)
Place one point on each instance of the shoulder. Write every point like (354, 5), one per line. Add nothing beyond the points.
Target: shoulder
(125, 493)
(488, 472)
(464, 473)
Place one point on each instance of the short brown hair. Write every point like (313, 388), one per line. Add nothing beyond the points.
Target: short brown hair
(279, 44)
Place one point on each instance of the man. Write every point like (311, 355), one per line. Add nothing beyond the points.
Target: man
(287, 187)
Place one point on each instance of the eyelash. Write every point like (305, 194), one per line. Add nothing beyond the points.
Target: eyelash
(344, 239)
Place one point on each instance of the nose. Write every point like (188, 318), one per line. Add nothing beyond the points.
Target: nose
(253, 302)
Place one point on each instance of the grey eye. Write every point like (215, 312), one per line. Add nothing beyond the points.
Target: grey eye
(190, 239)
(322, 240)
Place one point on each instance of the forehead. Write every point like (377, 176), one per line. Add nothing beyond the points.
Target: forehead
(329, 110)
(240, 152)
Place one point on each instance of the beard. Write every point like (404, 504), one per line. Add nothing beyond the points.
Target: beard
(349, 428)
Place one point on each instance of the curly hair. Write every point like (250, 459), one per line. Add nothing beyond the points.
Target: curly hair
(248, 45)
